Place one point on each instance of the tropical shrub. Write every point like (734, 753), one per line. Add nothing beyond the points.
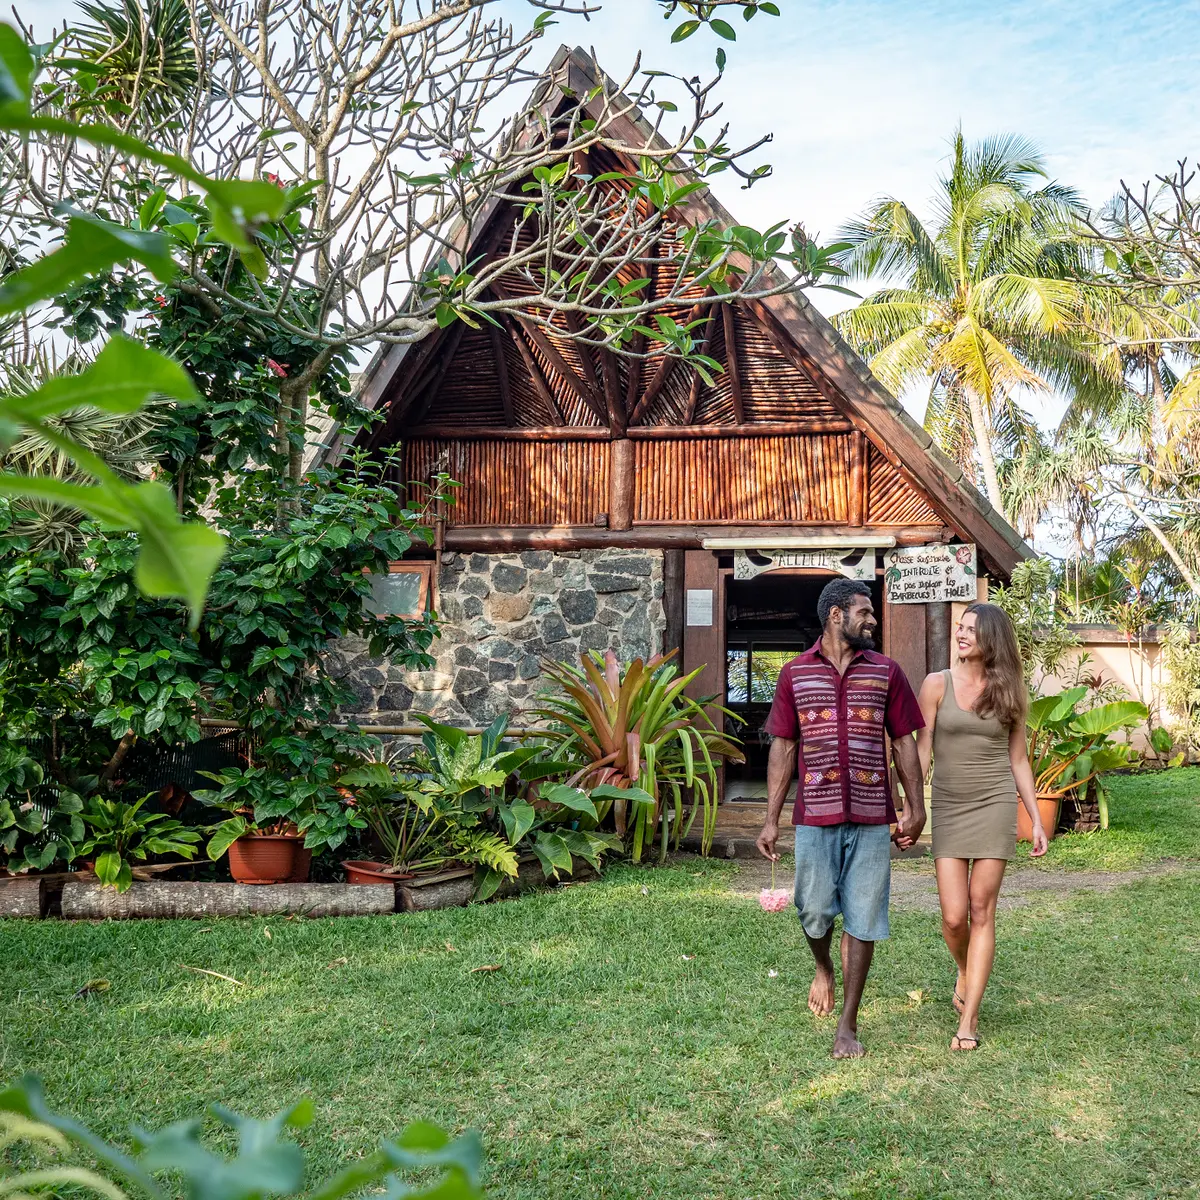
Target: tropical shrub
(118, 833)
(482, 788)
(1070, 750)
(1181, 665)
(642, 749)
(1043, 634)
(176, 1161)
(39, 824)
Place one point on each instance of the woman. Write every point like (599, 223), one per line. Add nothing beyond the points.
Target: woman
(975, 732)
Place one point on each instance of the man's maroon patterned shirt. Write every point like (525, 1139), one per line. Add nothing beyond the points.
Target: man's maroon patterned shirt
(840, 721)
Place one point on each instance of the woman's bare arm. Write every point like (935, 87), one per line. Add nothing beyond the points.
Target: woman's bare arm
(1018, 757)
(929, 698)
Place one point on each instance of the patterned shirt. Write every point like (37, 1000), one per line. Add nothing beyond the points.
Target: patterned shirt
(840, 721)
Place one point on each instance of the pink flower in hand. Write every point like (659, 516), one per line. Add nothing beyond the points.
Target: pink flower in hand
(774, 899)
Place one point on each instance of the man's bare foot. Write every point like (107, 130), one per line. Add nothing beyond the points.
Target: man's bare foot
(820, 995)
(847, 1045)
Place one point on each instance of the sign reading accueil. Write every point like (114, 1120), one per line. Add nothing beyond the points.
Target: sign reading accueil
(853, 564)
(929, 574)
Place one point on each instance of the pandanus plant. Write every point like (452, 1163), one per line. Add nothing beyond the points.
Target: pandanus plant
(649, 751)
(1070, 750)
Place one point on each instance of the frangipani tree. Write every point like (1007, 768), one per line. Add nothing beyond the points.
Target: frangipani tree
(987, 302)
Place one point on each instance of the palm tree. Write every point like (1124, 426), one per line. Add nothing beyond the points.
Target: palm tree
(140, 55)
(127, 442)
(988, 302)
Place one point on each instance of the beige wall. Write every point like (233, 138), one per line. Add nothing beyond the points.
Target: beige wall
(1140, 671)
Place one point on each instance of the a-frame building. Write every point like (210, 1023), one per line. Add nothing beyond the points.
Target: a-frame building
(606, 502)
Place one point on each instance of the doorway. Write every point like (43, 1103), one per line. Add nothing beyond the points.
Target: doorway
(768, 621)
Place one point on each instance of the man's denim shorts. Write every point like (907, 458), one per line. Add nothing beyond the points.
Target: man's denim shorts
(844, 869)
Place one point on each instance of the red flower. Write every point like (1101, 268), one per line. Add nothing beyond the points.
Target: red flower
(280, 369)
(161, 301)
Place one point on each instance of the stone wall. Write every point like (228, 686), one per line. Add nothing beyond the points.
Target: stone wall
(501, 616)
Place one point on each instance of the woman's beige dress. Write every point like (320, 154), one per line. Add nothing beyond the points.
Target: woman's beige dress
(973, 799)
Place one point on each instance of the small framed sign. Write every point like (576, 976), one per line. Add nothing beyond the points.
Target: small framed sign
(930, 574)
(403, 592)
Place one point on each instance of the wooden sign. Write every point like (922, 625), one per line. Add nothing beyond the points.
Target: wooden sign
(929, 574)
(853, 564)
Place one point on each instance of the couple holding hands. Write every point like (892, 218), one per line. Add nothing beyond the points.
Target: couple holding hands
(833, 706)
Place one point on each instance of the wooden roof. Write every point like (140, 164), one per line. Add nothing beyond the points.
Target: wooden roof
(795, 431)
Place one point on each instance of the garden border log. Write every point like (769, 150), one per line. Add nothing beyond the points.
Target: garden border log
(90, 901)
(22, 897)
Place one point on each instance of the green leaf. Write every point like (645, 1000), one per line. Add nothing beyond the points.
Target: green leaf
(723, 29)
(225, 834)
(549, 847)
(685, 31)
(568, 797)
(721, 58)
(16, 69)
(518, 819)
(92, 245)
(124, 376)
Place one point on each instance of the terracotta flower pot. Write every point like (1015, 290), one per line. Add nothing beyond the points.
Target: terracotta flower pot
(361, 871)
(301, 865)
(1049, 807)
(263, 858)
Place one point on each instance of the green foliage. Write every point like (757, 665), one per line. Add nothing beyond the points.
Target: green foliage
(263, 1164)
(39, 824)
(1031, 602)
(175, 559)
(642, 747)
(119, 833)
(1181, 667)
(294, 789)
(1071, 749)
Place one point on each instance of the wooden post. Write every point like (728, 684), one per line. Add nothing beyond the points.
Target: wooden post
(673, 601)
(856, 485)
(704, 624)
(904, 639)
(937, 637)
(620, 483)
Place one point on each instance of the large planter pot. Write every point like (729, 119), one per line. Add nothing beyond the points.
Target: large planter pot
(361, 871)
(1049, 808)
(301, 865)
(263, 858)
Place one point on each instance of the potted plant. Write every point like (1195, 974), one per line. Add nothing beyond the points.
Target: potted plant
(1069, 750)
(643, 749)
(435, 809)
(120, 832)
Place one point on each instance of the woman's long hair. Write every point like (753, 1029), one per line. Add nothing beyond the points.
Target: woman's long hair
(1004, 694)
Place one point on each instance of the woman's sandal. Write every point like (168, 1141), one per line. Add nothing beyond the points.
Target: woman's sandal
(966, 1042)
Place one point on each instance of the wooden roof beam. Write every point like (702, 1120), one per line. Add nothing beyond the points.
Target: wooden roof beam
(665, 367)
(535, 373)
(569, 376)
(693, 399)
(498, 354)
(433, 385)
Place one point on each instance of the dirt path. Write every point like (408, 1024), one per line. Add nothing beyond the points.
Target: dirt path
(914, 889)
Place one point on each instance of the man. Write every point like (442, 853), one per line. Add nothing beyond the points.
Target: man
(833, 705)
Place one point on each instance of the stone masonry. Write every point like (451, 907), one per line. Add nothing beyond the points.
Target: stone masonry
(501, 616)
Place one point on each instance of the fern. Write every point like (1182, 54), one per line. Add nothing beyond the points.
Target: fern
(488, 850)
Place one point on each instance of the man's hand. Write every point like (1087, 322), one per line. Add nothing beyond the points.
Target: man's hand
(909, 825)
(767, 839)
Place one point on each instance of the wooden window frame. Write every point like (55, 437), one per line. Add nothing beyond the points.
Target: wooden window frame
(425, 595)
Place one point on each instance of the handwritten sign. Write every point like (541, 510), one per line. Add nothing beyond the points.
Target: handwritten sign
(853, 564)
(929, 574)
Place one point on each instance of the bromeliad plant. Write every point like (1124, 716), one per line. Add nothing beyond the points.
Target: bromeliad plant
(1070, 750)
(120, 833)
(649, 752)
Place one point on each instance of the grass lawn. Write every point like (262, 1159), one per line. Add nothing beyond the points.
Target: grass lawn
(604, 1060)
